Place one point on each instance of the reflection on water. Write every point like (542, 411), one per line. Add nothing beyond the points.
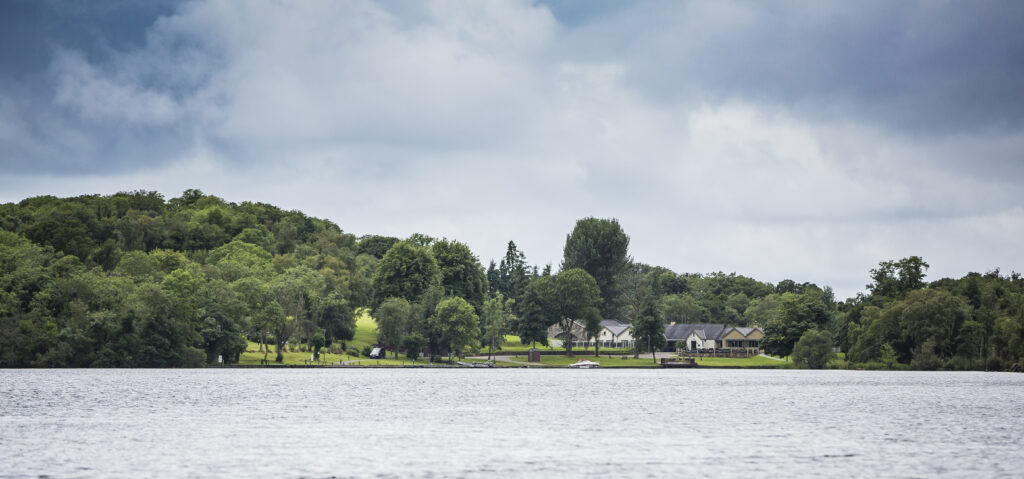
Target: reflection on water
(482, 423)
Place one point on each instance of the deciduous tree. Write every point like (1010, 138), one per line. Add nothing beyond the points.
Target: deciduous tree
(392, 316)
(601, 248)
(577, 297)
(456, 325)
(813, 350)
(649, 327)
(406, 271)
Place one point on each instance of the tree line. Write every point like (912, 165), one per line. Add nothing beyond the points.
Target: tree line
(132, 279)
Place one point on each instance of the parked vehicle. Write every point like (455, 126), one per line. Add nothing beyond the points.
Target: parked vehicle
(377, 353)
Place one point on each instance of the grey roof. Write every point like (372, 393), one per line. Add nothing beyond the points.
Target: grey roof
(746, 331)
(679, 332)
(615, 326)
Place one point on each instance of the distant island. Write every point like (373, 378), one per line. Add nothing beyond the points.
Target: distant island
(134, 280)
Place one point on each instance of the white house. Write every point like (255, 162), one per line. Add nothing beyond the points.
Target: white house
(614, 334)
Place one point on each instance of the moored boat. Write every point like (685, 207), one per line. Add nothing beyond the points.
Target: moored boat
(584, 364)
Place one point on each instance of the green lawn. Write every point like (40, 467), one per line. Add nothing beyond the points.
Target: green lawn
(497, 364)
(604, 361)
(366, 330)
(513, 344)
(252, 356)
(366, 335)
(389, 361)
(755, 361)
(645, 361)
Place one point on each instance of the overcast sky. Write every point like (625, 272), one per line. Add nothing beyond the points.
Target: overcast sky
(804, 140)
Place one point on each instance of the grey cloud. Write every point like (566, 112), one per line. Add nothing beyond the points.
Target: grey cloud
(926, 68)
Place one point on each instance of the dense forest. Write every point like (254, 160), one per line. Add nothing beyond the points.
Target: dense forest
(132, 280)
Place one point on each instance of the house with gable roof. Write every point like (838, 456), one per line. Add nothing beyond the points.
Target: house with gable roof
(614, 334)
(703, 336)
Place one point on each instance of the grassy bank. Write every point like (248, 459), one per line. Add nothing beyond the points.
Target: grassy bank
(513, 344)
(645, 361)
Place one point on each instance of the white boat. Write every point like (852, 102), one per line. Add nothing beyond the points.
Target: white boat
(584, 364)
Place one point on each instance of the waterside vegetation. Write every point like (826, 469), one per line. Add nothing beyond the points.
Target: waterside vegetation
(134, 280)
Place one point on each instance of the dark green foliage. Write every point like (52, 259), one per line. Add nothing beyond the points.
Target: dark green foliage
(512, 276)
(538, 311)
(576, 298)
(317, 342)
(336, 318)
(393, 317)
(925, 358)
(726, 297)
(896, 278)
(601, 248)
(649, 326)
(95, 288)
(376, 246)
(972, 323)
(797, 314)
(495, 319)
(456, 325)
(683, 308)
(406, 271)
(257, 236)
(813, 350)
(413, 344)
(908, 323)
(461, 272)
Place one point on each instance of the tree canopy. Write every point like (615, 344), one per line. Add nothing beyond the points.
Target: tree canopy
(406, 271)
(601, 248)
(456, 324)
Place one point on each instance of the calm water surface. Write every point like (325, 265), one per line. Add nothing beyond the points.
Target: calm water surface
(509, 423)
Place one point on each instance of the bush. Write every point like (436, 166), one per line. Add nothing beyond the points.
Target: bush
(813, 350)
(925, 358)
(960, 363)
(888, 356)
(353, 352)
(367, 350)
(413, 344)
(194, 358)
(995, 364)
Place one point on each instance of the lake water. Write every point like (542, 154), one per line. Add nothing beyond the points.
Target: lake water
(509, 423)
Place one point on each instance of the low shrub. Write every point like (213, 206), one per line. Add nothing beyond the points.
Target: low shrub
(995, 364)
